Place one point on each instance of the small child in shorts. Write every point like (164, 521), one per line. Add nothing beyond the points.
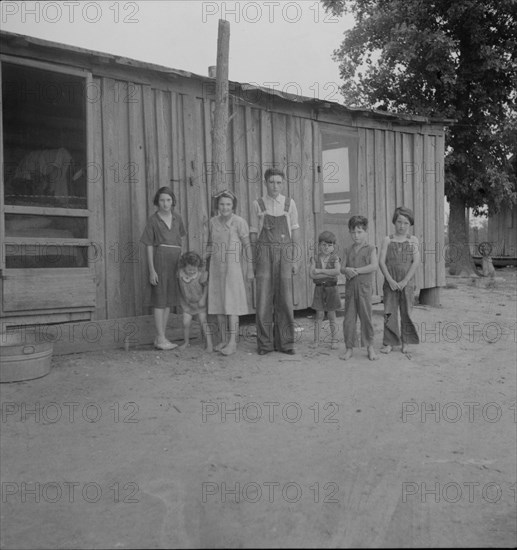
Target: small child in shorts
(193, 279)
(324, 270)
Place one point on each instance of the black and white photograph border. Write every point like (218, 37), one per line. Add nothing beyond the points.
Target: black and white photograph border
(120, 427)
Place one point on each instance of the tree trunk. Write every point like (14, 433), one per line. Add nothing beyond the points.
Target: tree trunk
(458, 252)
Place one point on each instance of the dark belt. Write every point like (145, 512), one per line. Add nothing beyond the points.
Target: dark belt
(327, 283)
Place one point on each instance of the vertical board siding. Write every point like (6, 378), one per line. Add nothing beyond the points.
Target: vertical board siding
(429, 182)
(240, 185)
(418, 197)
(407, 171)
(119, 193)
(138, 205)
(439, 229)
(111, 211)
(193, 174)
(292, 171)
(97, 205)
(160, 137)
(403, 169)
(501, 232)
(307, 185)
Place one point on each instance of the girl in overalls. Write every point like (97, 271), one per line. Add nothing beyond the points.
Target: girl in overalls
(399, 260)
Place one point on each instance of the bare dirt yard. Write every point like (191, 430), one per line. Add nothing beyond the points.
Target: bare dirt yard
(168, 449)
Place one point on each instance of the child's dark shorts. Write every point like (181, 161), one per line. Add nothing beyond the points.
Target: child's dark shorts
(326, 298)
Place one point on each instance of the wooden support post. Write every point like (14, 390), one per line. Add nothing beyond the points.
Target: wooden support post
(220, 126)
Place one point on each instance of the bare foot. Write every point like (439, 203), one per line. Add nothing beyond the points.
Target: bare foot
(405, 350)
(184, 346)
(220, 346)
(229, 349)
(334, 345)
(314, 345)
(164, 344)
(346, 356)
(386, 349)
(372, 356)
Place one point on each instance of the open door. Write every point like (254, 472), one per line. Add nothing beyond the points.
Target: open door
(339, 148)
(45, 270)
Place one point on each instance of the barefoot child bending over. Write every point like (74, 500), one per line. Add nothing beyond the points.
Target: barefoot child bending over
(324, 270)
(359, 262)
(193, 291)
(398, 260)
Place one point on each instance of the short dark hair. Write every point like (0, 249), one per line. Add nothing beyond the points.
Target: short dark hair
(164, 191)
(228, 195)
(327, 237)
(403, 211)
(358, 221)
(190, 258)
(273, 172)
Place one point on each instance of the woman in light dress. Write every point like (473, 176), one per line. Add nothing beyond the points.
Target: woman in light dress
(230, 262)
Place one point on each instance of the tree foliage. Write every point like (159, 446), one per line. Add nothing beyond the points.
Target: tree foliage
(455, 60)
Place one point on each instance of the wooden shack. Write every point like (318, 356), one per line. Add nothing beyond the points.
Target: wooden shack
(502, 236)
(87, 138)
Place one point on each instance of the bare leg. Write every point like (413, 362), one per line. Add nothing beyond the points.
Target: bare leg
(318, 318)
(158, 323)
(348, 353)
(221, 322)
(233, 330)
(207, 330)
(333, 330)
(187, 319)
(161, 315)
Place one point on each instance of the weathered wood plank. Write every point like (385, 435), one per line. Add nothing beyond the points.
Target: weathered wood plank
(399, 194)
(418, 198)
(138, 206)
(279, 139)
(440, 212)
(194, 220)
(151, 161)
(202, 184)
(370, 184)
(408, 170)
(429, 244)
(208, 107)
(293, 165)
(381, 185)
(307, 184)
(362, 185)
(391, 181)
(96, 199)
(26, 290)
(238, 144)
(111, 206)
(266, 141)
(124, 248)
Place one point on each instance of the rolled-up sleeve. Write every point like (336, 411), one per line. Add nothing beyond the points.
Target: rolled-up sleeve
(148, 236)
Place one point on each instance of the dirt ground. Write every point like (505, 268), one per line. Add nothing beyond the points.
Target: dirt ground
(176, 449)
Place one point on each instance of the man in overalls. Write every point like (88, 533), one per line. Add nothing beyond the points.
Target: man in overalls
(277, 253)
